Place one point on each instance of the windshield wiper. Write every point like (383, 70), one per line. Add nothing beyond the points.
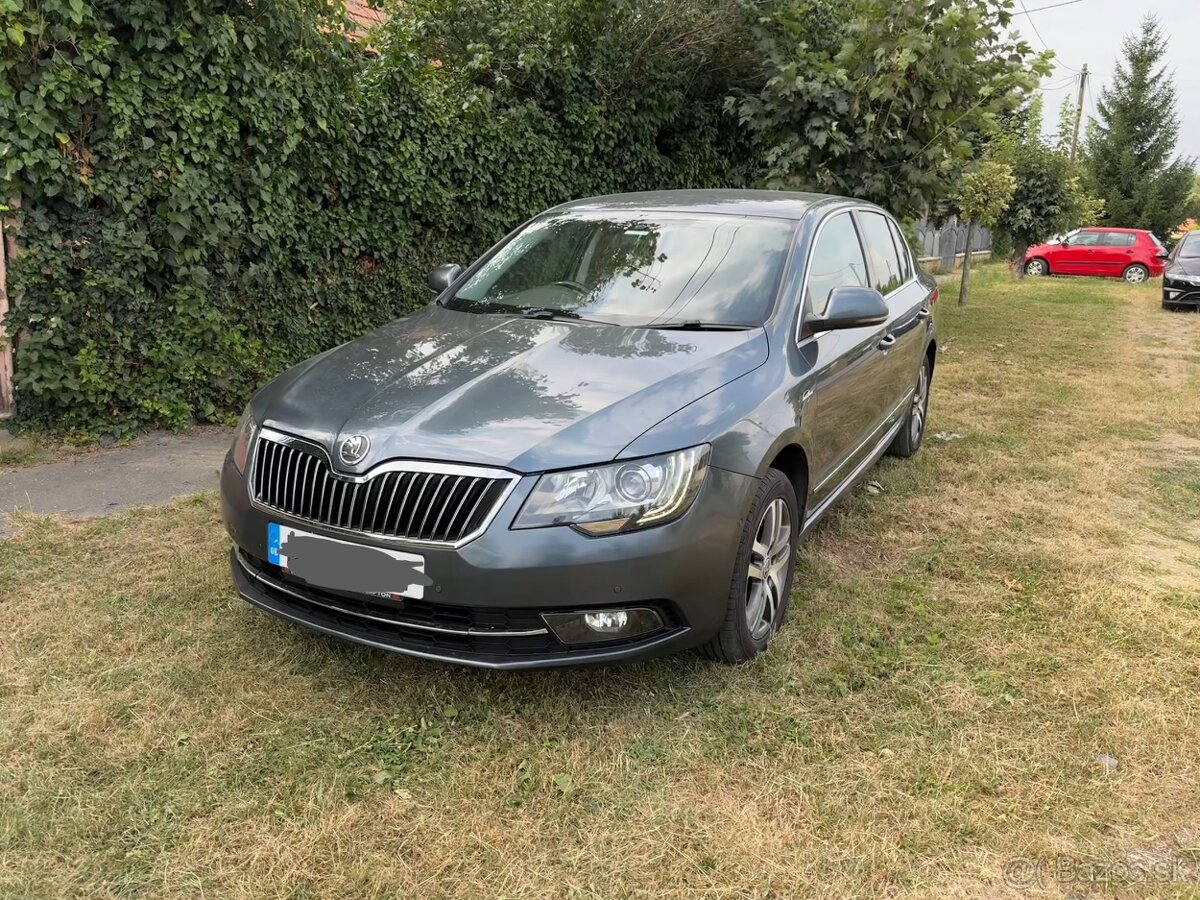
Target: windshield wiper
(545, 312)
(697, 325)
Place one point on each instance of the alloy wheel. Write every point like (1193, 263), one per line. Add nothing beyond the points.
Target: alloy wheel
(920, 407)
(1135, 274)
(767, 574)
(1035, 267)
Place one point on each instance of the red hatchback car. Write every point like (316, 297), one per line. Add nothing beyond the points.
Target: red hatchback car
(1105, 252)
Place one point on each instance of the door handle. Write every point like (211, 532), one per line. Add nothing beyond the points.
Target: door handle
(887, 342)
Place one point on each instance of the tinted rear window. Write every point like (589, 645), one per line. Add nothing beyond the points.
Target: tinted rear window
(903, 251)
(882, 259)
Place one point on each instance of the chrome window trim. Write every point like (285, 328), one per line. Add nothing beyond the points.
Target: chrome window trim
(798, 339)
(391, 465)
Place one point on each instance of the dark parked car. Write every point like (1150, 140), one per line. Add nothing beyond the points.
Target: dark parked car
(1100, 252)
(603, 441)
(1181, 280)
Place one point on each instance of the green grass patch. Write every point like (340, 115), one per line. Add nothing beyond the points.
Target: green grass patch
(960, 648)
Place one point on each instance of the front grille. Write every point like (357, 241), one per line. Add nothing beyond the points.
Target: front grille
(428, 504)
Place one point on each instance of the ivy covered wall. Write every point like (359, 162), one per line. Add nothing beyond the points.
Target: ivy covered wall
(210, 191)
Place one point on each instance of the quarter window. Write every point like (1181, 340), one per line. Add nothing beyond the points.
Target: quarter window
(1117, 239)
(882, 261)
(837, 261)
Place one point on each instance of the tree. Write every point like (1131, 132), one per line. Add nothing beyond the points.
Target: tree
(1065, 135)
(984, 194)
(880, 100)
(1132, 149)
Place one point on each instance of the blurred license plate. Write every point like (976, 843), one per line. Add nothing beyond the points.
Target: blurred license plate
(326, 562)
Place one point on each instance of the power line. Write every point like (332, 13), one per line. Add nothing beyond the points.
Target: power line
(1042, 39)
(1047, 6)
(1058, 85)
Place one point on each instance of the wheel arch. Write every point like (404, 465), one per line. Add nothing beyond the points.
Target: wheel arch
(792, 460)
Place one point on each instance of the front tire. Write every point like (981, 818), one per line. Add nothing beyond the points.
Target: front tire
(1037, 268)
(1136, 274)
(762, 574)
(908, 440)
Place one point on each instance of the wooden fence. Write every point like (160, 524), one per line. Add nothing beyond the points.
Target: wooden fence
(8, 245)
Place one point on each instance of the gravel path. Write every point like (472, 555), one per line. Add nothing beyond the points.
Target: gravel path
(154, 469)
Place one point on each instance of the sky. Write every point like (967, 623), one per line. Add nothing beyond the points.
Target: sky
(1090, 31)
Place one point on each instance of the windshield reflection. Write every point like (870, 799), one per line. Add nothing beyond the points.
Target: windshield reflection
(640, 270)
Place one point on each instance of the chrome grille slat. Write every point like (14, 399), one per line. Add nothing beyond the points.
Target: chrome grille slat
(428, 503)
(445, 506)
(441, 479)
(425, 477)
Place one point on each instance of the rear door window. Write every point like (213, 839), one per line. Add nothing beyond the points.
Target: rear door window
(902, 251)
(837, 261)
(883, 263)
(1117, 239)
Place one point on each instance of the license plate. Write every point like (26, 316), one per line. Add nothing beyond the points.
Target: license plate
(325, 562)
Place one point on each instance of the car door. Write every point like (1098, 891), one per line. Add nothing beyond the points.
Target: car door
(1078, 256)
(1115, 253)
(843, 410)
(890, 272)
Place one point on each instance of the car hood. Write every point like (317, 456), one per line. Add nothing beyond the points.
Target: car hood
(523, 394)
(1041, 249)
(1184, 265)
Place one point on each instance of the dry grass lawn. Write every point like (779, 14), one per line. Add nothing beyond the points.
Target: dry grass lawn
(961, 649)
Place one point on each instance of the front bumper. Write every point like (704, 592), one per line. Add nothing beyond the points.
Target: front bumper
(487, 597)
(1178, 293)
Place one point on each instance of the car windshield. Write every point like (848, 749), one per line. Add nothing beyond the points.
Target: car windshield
(637, 269)
(1190, 248)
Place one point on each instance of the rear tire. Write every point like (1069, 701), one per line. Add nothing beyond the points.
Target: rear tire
(1136, 274)
(762, 574)
(1037, 267)
(908, 440)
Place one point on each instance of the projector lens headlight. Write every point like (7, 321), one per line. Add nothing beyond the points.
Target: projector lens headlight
(619, 497)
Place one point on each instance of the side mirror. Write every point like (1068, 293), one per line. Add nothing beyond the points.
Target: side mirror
(851, 307)
(444, 276)
(1065, 242)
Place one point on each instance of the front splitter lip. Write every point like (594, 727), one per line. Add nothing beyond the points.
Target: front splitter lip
(655, 646)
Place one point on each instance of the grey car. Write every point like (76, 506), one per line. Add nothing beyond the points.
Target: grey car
(603, 441)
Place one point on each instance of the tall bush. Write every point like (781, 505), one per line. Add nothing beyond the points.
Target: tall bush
(213, 190)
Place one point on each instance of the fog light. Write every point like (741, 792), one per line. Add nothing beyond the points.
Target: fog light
(607, 622)
(599, 625)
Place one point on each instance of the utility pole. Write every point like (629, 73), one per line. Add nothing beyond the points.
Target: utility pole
(1083, 76)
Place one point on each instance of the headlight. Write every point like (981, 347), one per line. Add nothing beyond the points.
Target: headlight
(623, 496)
(243, 440)
(1186, 279)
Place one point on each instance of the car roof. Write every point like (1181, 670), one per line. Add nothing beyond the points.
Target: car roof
(793, 205)
(1118, 230)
